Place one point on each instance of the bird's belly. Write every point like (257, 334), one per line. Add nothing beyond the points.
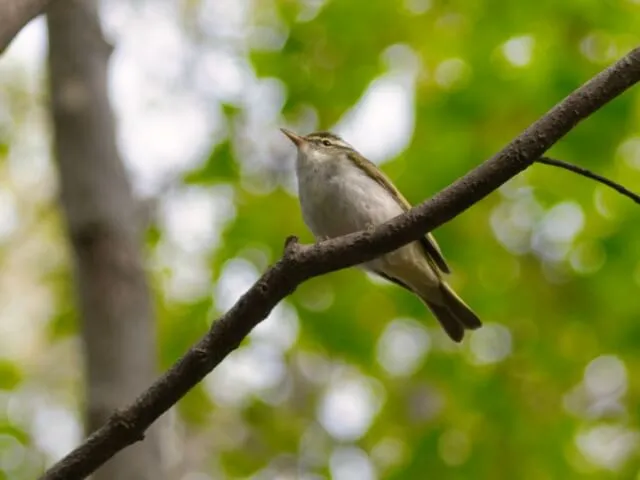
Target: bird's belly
(335, 205)
(346, 203)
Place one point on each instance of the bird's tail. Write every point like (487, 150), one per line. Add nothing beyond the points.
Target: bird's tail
(454, 315)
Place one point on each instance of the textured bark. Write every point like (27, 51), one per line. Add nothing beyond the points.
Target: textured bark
(15, 14)
(301, 262)
(113, 296)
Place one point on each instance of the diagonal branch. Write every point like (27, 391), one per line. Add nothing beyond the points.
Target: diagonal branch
(301, 262)
(589, 174)
(15, 14)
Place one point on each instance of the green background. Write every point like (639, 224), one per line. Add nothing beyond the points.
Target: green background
(551, 262)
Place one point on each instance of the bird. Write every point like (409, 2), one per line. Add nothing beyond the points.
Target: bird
(341, 192)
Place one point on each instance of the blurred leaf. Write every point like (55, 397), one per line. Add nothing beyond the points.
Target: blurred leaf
(220, 167)
(10, 375)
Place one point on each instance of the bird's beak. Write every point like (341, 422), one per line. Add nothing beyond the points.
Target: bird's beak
(295, 138)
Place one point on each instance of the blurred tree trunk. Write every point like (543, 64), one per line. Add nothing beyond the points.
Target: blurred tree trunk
(103, 227)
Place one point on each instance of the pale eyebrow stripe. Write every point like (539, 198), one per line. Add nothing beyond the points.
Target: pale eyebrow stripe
(333, 139)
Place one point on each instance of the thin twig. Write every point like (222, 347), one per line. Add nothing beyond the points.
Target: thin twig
(302, 262)
(589, 174)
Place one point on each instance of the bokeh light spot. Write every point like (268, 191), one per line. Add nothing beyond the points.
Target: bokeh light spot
(606, 375)
(349, 463)
(608, 446)
(490, 344)
(348, 407)
(402, 347)
(518, 50)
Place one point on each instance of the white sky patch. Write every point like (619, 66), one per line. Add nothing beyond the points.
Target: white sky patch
(236, 278)
(349, 463)
(164, 124)
(402, 347)
(280, 328)
(21, 319)
(193, 217)
(22, 69)
(348, 407)
(190, 276)
(28, 48)
(246, 371)
(267, 37)
(56, 430)
(227, 19)
(223, 75)
(29, 164)
(381, 124)
(9, 220)
(149, 41)
(264, 101)
(519, 50)
(160, 142)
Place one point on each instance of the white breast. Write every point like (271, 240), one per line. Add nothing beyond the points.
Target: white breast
(338, 198)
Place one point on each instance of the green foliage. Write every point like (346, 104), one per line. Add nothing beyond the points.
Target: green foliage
(219, 167)
(10, 375)
(566, 303)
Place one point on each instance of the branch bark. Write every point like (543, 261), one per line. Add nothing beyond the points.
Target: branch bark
(117, 328)
(14, 15)
(301, 262)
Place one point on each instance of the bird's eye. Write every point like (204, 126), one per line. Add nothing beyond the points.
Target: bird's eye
(326, 143)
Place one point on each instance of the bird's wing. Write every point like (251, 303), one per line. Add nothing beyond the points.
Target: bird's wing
(429, 243)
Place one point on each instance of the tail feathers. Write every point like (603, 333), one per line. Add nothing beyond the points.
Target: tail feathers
(449, 323)
(453, 314)
(459, 309)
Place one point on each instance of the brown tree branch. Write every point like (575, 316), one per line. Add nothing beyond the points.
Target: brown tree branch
(15, 14)
(589, 174)
(301, 262)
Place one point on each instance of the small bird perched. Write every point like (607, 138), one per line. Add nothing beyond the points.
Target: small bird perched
(342, 192)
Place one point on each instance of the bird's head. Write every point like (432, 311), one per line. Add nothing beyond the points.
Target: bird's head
(319, 146)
